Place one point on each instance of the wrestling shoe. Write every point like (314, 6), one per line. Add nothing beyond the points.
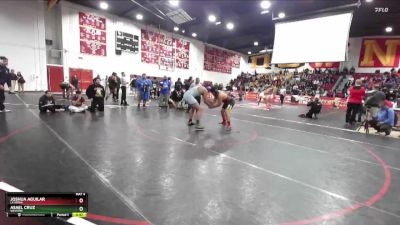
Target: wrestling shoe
(190, 123)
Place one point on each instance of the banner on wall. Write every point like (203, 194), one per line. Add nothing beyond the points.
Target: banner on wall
(259, 61)
(218, 60)
(328, 65)
(290, 65)
(167, 52)
(92, 35)
(380, 52)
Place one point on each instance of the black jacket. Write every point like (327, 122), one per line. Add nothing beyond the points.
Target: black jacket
(5, 76)
(44, 100)
(94, 89)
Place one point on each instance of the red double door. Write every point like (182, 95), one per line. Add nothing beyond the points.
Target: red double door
(85, 77)
(55, 76)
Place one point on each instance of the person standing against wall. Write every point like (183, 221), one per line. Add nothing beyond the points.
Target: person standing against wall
(21, 82)
(14, 79)
(4, 79)
(123, 89)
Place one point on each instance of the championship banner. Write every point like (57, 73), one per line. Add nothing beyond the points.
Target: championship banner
(92, 34)
(221, 61)
(290, 65)
(380, 52)
(327, 65)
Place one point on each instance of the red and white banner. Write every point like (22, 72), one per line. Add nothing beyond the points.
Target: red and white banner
(380, 52)
(325, 65)
(218, 60)
(92, 35)
(167, 52)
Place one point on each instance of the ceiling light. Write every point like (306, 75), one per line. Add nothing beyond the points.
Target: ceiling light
(212, 18)
(103, 5)
(265, 4)
(183, 31)
(368, 0)
(176, 28)
(139, 16)
(256, 43)
(264, 12)
(218, 23)
(249, 52)
(194, 35)
(263, 51)
(230, 26)
(174, 2)
(388, 29)
(281, 15)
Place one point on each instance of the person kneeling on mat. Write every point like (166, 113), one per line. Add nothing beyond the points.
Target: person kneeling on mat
(47, 103)
(96, 92)
(77, 103)
(315, 109)
(190, 98)
(384, 120)
(228, 103)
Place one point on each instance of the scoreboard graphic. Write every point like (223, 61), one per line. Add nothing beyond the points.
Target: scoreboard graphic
(126, 42)
(46, 204)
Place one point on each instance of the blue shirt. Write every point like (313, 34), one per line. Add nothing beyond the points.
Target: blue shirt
(143, 85)
(386, 116)
(165, 87)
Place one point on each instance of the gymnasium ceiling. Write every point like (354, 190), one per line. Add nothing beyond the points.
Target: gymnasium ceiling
(249, 24)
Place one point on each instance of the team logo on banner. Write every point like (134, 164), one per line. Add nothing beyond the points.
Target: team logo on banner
(380, 52)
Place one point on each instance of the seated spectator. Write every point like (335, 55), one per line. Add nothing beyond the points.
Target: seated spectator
(315, 108)
(77, 103)
(97, 93)
(47, 103)
(384, 119)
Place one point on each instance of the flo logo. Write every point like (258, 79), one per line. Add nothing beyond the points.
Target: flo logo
(381, 9)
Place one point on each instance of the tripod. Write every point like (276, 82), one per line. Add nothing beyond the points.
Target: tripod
(365, 122)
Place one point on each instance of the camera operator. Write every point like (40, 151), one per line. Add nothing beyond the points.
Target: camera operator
(315, 108)
(372, 100)
(354, 103)
(384, 119)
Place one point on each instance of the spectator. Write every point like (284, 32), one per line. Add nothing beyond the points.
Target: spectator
(67, 89)
(176, 97)
(47, 103)
(354, 103)
(178, 85)
(315, 108)
(165, 91)
(282, 93)
(96, 92)
(75, 82)
(14, 79)
(4, 79)
(143, 86)
(133, 84)
(123, 89)
(154, 90)
(77, 103)
(384, 119)
(118, 86)
(21, 82)
(112, 86)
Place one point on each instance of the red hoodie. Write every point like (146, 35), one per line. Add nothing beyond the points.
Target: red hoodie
(356, 95)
